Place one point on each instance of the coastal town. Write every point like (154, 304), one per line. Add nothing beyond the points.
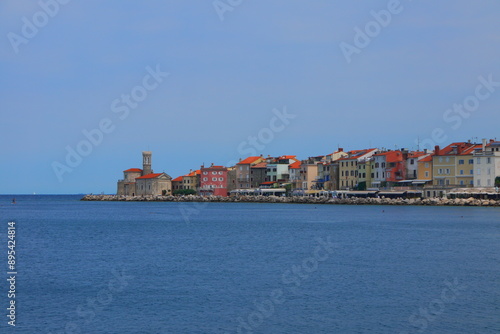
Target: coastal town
(459, 168)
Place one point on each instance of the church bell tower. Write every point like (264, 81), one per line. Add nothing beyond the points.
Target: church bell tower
(146, 163)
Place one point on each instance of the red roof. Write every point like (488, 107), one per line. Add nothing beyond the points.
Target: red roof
(136, 170)
(466, 148)
(196, 172)
(260, 165)
(249, 160)
(178, 179)
(416, 154)
(269, 182)
(149, 176)
(427, 158)
(295, 165)
(287, 157)
(391, 156)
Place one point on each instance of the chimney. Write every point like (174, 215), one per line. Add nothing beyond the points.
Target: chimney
(212, 164)
(436, 150)
(484, 144)
(240, 159)
(425, 151)
(492, 140)
(341, 149)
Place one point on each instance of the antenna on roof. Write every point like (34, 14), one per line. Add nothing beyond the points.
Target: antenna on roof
(418, 143)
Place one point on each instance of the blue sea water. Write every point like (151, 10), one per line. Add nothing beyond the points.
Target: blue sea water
(133, 267)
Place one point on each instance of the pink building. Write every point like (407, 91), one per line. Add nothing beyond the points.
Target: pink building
(213, 181)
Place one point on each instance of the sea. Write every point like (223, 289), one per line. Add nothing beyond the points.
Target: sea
(161, 267)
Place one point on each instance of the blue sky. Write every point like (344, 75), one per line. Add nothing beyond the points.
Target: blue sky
(225, 78)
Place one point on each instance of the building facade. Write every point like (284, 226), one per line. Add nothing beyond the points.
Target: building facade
(141, 182)
(213, 181)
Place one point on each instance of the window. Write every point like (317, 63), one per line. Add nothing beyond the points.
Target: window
(461, 162)
(489, 171)
(220, 173)
(205, 173)
(478, 161)
(440, 171)
(440, 159)
(388, 174)
(214, 173)
(461, 172)
(471, 172)
(479, 183)
(426, 165)
(448, 171)
(489, 182)
(461, 182)
(478, 171)
(383, 164)
(412, 162)
(214, 179)
(471, 183)
(471, 161)
(426, 174)
(205, 179)
(221, 179)
(447, 159)
(488, 160)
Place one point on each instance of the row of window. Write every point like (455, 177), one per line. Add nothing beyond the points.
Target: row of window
(213, 173)
(214, 179)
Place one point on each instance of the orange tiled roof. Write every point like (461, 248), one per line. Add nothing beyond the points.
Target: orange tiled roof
(249, 160)
(260, 165)
(427, 159)
(467, 148)
(391, 156)
(295, 165)
(196, 172)
(149, 176)
(177, 179)
(415, 154)
(287, 157)
(136, 170)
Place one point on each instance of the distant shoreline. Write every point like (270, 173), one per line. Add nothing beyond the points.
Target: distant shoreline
(299, 200)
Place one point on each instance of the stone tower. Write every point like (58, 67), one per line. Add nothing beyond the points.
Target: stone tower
(146, 163)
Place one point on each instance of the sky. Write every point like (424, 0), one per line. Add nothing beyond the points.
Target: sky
(86, 86)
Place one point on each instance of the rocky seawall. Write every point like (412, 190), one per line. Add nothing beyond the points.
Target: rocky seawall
(300, 200)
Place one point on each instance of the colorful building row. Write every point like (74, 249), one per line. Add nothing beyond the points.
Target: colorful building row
(458, 165)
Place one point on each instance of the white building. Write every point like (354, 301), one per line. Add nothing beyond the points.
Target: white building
(487, 164)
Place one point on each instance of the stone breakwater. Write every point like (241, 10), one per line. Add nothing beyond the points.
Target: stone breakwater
(299, 200)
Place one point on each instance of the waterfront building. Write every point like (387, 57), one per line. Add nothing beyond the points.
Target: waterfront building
(295, 177)
(389, 168)
(453, 166)
(191, 180)
(424, 169)
(213, 181)
(486, 164)
(309, 173)
(348, 167)
(177, 183)
(258, 174)
(137, 182)
(243, 171)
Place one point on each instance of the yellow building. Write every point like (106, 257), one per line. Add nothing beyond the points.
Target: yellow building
(425, 168)
(453, 166)
(348, 167)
